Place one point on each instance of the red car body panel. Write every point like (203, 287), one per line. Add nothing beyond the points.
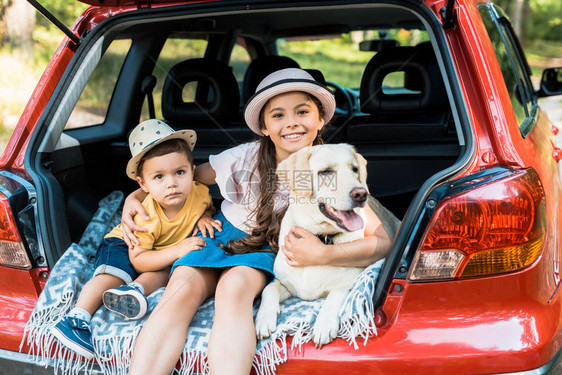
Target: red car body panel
(19, 291)
(491, 327)
(483, 325)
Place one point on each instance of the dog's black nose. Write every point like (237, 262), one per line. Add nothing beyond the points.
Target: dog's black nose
(359, 194)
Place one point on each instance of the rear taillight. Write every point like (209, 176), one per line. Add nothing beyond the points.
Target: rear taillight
(495, 228)
(12, 250)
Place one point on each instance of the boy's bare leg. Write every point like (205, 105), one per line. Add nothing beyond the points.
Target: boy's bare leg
(90, 298)
(232, 344)
(162, 338)
(154, 280)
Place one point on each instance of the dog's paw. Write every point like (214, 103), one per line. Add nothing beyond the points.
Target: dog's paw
(266, 322)
(325, 330)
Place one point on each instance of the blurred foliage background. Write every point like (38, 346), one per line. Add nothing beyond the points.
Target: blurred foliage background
(28, 40)
(538, 23)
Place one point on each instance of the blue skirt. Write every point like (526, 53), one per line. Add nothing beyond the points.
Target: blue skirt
(214, 257)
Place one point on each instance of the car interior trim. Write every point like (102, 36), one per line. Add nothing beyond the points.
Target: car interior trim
(70, 97)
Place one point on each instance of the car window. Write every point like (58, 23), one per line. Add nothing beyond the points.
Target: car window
(339, 57)
(92, 105)
(513, 67)
(394, 83)
(177, 48)
(520, 64)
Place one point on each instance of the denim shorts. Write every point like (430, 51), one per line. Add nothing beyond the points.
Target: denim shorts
(112, 258)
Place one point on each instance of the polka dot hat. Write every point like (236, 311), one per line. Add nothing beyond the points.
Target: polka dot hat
(150, 133)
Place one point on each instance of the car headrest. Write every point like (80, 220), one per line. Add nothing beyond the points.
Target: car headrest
(217, 91)
(317, 75)
(423, 85)
(260, 68)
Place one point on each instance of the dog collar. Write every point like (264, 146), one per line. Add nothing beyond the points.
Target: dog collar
(327, 239)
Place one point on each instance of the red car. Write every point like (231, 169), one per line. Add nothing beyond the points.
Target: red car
(435, 94)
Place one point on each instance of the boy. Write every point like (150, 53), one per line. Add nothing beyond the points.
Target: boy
(162, 164)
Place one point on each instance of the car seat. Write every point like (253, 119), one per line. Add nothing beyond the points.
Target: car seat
(407, 133)
(260, 68)
(214, 111)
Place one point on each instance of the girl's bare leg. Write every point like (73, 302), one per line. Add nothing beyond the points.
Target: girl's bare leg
(161, 340)
(232, 344)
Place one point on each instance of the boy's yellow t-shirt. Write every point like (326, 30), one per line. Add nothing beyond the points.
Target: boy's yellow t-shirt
(163, 232)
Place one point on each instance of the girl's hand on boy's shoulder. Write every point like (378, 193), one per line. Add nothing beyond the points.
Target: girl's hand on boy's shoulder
(131, 208)
(207, 224)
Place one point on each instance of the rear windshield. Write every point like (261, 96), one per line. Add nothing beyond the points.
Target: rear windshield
(345, 64)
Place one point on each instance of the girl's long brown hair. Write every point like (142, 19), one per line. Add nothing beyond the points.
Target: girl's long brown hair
(267, 222)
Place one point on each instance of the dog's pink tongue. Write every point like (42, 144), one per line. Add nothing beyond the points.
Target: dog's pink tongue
(350, 220)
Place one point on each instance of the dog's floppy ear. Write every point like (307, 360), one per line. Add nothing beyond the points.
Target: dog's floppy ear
(294, 172)
(362, 168)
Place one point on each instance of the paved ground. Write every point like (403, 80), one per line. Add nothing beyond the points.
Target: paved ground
(14, 368)
(553, 108)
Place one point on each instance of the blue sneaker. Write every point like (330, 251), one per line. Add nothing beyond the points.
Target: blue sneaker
(75, 334)
(126, 301)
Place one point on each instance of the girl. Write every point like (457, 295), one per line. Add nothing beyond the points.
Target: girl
(288, 111)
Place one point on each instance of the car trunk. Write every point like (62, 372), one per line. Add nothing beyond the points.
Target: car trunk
(411, 144)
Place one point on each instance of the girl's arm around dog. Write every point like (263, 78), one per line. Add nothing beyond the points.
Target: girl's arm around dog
(302, 248)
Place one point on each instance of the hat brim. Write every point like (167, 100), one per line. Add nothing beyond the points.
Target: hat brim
(258, 100)
(188, 135)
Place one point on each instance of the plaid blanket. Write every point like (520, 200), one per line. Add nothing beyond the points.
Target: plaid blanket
(113, 337)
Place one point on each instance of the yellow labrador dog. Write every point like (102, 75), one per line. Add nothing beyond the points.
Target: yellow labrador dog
(328, 191)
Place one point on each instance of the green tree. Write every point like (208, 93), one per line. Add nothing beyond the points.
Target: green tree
(17, 20)
(534, 19)
(66, 11)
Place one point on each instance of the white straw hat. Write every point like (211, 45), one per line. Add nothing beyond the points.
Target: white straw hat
(280, 82)
(150, 133)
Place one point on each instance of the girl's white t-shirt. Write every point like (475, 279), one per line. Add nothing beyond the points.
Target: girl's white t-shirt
(238, 182)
